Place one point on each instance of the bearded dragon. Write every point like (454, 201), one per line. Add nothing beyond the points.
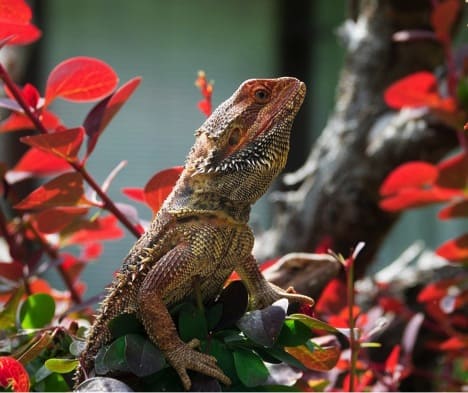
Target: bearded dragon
(201, 234)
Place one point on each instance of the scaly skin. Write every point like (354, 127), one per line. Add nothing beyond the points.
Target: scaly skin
(200, 235)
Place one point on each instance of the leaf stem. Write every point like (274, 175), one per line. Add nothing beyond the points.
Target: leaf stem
(108, 203)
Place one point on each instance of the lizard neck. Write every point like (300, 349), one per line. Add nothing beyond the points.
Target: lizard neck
(190, 197)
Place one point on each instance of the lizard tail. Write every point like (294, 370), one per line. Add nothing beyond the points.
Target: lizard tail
(98, 336)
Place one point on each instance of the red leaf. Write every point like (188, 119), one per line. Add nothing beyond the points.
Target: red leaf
(205, 107)
(414, 174)
(40, 163)
(454, 344)
(57, 218)
(92, 251)
(101, 115)
(455, 250)
(412, 185)
(80, 79)
(415, 90)
(13, 374)
(414, 197)
(15, 17)
(72, 266)
(443, 17)
(30, 95)
(12, 271)
(16, 11)
(393, 359)
(103, 228)
(458, 208)
(19, 121)
(324, 244)
(333, 298)
(453, 172)
(136, 194)
(64, 190)
(436, 290)
(16, 122)
(320, 359)
(160, 186)
(390, 304)
(65, 144)
(341, 320)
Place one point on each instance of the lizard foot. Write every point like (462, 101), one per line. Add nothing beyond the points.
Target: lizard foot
(185, 358)
(272, 293)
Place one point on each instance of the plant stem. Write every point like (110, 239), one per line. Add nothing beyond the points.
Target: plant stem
(354, 344)
(108, 203)
(52, 254)
(198, 295)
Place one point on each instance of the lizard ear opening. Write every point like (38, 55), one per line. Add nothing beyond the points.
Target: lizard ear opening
(235, 137)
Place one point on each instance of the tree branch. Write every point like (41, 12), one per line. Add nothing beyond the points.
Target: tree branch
(335, 193)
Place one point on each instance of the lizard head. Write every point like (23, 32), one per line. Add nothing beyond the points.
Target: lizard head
(244, 144)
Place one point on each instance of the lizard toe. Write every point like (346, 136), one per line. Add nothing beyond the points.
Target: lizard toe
(186, 358)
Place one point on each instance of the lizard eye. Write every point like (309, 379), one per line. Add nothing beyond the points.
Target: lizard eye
(261, 95)
(235, 137)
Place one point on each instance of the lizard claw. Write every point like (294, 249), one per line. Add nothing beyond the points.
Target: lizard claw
(185, 358)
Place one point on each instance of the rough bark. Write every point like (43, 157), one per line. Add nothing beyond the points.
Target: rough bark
(335, 193)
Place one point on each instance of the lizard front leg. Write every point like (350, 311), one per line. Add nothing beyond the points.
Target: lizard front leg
(262, 293)
(166, 277)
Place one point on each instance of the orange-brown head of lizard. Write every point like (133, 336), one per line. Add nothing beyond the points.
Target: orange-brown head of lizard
(244, 144)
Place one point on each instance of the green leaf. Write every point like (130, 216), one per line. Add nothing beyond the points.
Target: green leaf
(223, 356)
(294, 333)
(37, 311)
(192, 323)
(213, 315)
(250, 368)
(53, 383)
(130, 353)
(111, 357)
(125, 324)
(263, 326)
(8, 313)
(313, 323)
(232, 337)
(370, 345)
(165, 380)
(462, 92)
(61, 366)
(142, 357)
